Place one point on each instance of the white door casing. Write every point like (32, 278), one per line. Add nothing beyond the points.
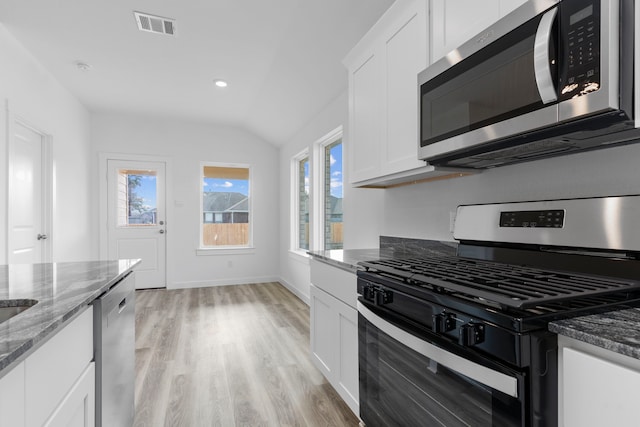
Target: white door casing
(29, 207)
(126, 238)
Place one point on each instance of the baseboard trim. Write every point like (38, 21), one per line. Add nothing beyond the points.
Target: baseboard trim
(304, 298)
(242, 281)
(223, 282)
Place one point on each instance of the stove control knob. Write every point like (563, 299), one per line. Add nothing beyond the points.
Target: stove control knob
(383, 297)
(443, 322)
(471, 334)
(368, 292)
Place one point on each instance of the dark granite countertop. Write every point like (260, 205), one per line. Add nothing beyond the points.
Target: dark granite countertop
(348, 259)
(60, 289)
(617, 331)
(390, 248)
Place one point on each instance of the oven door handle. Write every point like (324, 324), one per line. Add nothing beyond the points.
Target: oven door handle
(489, 377)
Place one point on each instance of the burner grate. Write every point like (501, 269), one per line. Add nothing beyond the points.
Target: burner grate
(506, 284)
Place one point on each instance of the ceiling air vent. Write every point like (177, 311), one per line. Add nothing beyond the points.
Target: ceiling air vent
(155, 24)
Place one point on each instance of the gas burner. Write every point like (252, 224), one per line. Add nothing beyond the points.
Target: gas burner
(493, 283)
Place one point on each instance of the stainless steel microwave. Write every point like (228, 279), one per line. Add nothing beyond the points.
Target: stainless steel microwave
(553, 77)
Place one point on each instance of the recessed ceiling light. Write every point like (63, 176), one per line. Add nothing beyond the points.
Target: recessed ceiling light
(220, 83)
(83, 66)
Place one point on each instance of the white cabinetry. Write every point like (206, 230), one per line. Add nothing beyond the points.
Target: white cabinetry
(55, 385)
(78, 407)
(334, 329)
(597, 387)
(383, 98)
(453, 22)
(12, 397)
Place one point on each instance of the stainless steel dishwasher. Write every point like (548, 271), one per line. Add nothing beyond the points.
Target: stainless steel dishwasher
(114, 344)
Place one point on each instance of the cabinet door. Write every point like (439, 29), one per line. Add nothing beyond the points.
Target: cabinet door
(405, 54)
(12, 398)
(597, 392)
(52, 370)
(365, 134)
(347, 363)
(78, 407)
(323, 330)
(334, 344)
(453, 22)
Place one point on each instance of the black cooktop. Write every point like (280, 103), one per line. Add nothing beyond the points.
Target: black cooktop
(506, 285)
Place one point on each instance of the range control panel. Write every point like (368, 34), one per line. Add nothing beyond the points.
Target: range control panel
(533, 219)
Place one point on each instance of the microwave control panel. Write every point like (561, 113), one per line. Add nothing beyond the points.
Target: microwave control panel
(580, 24)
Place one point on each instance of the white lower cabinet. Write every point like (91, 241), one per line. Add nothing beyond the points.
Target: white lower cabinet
(12, 397)
(334, 344)
(78, 407)
(334, 332)
(55, 385)
(597, 387)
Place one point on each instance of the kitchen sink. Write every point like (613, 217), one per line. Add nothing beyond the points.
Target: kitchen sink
(10, 308)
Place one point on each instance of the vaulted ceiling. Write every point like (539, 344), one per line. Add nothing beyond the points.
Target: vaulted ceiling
(281, 58)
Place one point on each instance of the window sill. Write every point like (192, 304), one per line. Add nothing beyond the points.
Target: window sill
(300, 256)
(225, 251)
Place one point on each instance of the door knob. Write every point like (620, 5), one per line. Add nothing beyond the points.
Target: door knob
(161, 231)
(42, 237)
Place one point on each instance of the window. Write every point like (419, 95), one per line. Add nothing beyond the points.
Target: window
(300, 203)
(332, 204)
(137, 193)
(317, 194)
(226, 207)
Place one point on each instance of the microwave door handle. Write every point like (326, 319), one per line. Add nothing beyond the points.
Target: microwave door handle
(542, 68)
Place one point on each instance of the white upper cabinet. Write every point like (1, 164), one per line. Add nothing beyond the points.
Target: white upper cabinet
(383, 99)
(365, 109)
(383, 93)
(405, 55)
(453, 22)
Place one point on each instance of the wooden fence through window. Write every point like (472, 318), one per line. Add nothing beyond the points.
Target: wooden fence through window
(225, 234)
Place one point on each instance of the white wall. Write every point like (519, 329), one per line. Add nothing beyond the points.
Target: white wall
(363, 208)
(422, 210)
(186, 145)
(34, 95)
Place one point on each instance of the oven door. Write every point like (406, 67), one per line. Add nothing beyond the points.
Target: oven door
(406, 380)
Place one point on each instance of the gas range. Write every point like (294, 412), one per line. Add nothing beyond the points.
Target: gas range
(514, 296)
(518, 267)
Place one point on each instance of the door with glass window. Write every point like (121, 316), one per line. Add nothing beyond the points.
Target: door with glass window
(136, 218)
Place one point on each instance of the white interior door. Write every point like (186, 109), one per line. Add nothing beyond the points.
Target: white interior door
(28, 216)
(136, 217)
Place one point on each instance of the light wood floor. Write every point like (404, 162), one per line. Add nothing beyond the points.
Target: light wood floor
(229, 356)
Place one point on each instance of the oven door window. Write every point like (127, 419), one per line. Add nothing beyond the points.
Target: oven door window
(492, 85)
(401, 387)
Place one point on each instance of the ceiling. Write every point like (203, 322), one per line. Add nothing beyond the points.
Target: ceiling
(281, 58)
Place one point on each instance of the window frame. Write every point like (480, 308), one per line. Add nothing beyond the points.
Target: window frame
(319, 219)
(224, 249)
(295, 203)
